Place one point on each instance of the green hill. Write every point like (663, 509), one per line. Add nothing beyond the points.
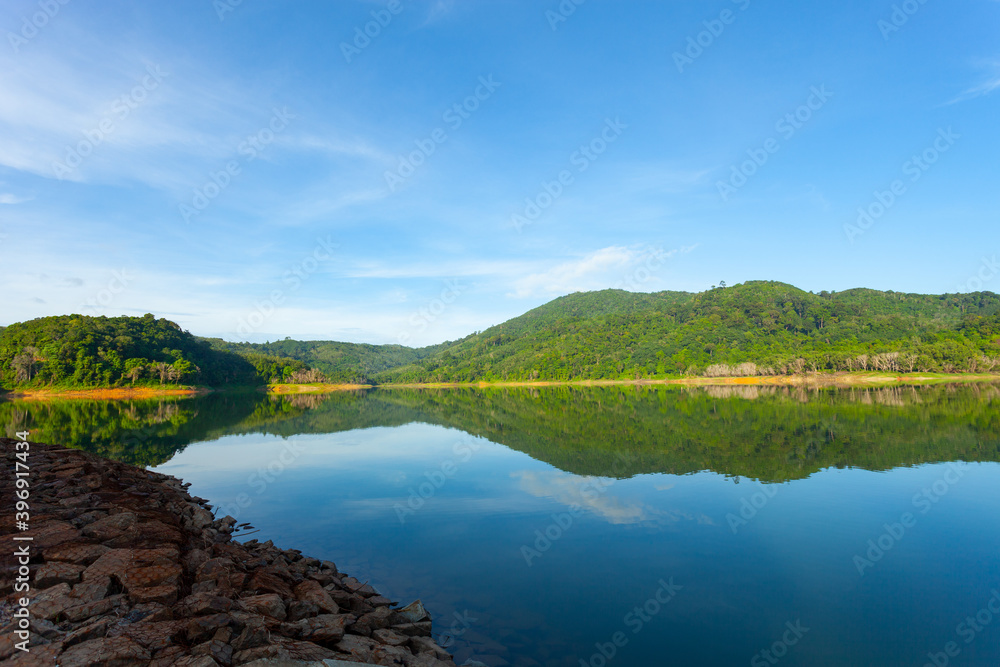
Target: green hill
(81, 351)
(768, 326)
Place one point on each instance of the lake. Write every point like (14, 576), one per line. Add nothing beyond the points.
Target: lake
(617, 525)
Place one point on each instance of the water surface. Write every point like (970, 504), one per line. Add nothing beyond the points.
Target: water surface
(540, 527)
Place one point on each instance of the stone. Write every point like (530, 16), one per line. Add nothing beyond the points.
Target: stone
(312, 591)
(52, 601)
(326, 628)
(202, 603)
(201, 628)
(54, 573)
(429, 646)
(300, 609)
(97, 588)
(357, 647)
(218, 650)
(154, 636)
(78, 554)
(105, 652)
(110, 563)
(111, 526)
(164, 594)
(413, 613)
(422, 629)
(268, 604)
(263, 581)
(390, 637)
(381, 618)
(91, 609)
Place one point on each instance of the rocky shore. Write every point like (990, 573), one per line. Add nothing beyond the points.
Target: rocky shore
(126, 568)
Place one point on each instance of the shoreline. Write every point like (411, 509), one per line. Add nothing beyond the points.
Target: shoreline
(126, 567)
(840, 379)
(809, 379)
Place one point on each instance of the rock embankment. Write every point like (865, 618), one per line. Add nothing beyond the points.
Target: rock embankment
(126, 568)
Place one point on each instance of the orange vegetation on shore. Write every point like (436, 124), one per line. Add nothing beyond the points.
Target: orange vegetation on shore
(104, 394)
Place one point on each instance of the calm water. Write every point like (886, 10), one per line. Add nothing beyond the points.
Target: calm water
(657, 526)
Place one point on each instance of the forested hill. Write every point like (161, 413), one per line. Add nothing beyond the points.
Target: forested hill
(81, 351)
(753, 328)
(757, 328)
(351, 363)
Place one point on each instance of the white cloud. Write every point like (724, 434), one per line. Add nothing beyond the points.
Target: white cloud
(590, 493)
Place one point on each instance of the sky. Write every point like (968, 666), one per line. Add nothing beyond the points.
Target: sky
(413, 171)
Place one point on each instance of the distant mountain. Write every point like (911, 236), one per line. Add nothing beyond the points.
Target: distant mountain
(767, 327)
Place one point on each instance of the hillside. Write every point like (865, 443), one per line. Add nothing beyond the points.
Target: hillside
(355, 363)
(81, 351)
(771, 327)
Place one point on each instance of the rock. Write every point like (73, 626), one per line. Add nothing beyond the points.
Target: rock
(326, 628)
(105, 652)
(264, 581)
(154, 636)
(78, 554)
(413, 613)
(268, 604)
(97, 588)
(52, 601)
(218, 650)
(201, 628)
(422, 629)
(91, 609)
(54, 573)
(428, 645)
(360, 648)
(164, 594)
(111, 526)
(194, 559)
(202, 603)
(196, 661)
(312, 591)
(390, 637)
(300, 609)
(110, 563)
(381, 618)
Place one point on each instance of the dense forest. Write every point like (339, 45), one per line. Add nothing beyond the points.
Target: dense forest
(758, 328)
(80, 351)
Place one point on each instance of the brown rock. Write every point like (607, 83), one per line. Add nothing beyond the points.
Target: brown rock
(312, 591)
(112, 562)
(357, 647)
(79, 554)
(268, 604)
(91, 609)
(111, 526)
(263, 581)
(52, 601)
(95, 589)
(54, 573)
(300, 609)
(164, 594)
(376, 620)
(155, 636)
(201, 628)
(429, 646)
(195, 661)
(390, 637)
(219, 651)
(202, 603)
(114, 652)
(326, 629)
(422, 629)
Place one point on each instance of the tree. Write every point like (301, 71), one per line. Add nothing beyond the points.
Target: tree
(24, 363)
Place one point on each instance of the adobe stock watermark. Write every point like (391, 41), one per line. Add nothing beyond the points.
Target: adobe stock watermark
(918, 165)
(635, 620)
(121, 108)
(454, 117)
(435, 308)
(893, 533)
(787, 127)
(31, 26)
(223, 7)
(988, 270)
(749, 507)
(249, 149)
(697, 44)
(291, 280)
(591, 490)
(562, 13)
(363, 35)
(436, 479)
(579, 161)
(260, 479)
(900, 16)
(118, 283)
(967, 630)
(779, 649)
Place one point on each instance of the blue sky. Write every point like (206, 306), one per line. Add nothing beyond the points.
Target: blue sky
(262, 169)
